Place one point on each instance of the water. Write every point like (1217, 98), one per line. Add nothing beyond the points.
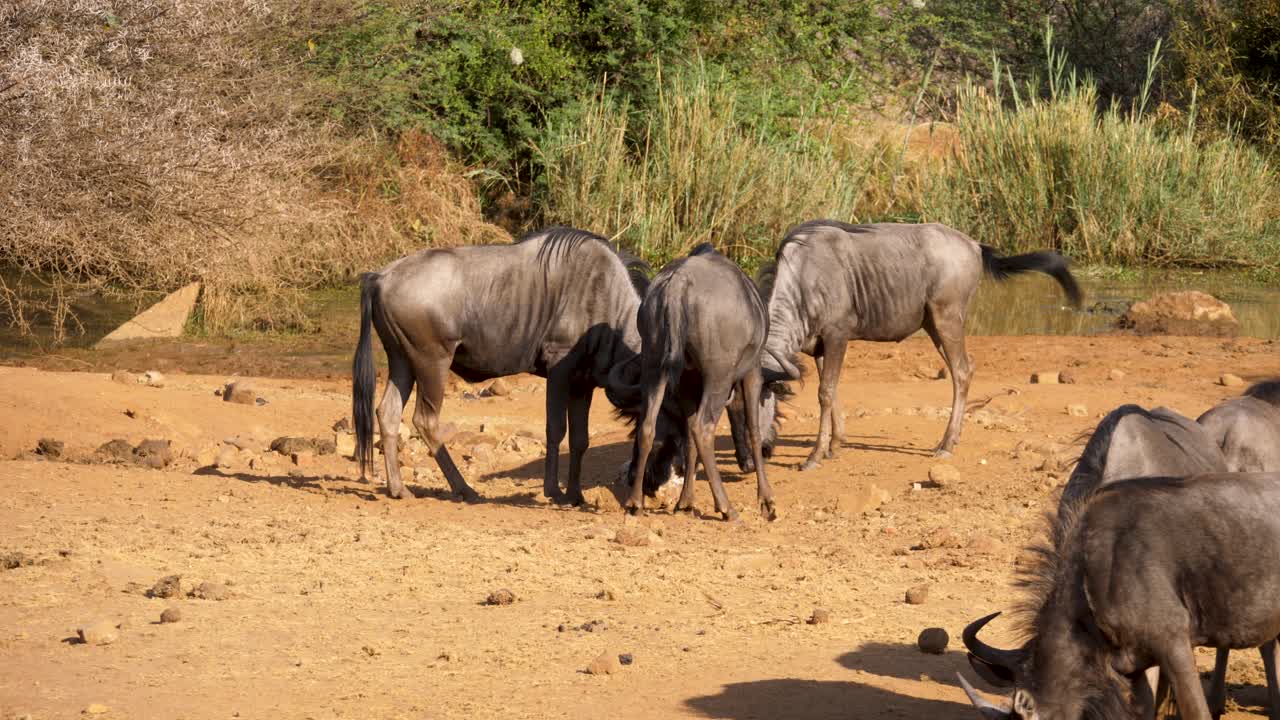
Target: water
(1035, 305)
(92, 314)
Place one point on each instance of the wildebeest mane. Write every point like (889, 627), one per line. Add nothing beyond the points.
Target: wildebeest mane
(559, 242)
(1267, 391)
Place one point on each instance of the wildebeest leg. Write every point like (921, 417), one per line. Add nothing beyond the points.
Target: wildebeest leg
(751, 386)
(1143, 695)
(704, 435)
(655, 392)
(1179, 662)
(579, 439)
(945, 325)
(828, 378)
(390, 410)
(837, 417)
(690, 461)
(1217, 696)
(426, 418)
(557, 407)
(1271, 666)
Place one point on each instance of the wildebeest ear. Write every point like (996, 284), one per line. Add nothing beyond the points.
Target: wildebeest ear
(995, 674)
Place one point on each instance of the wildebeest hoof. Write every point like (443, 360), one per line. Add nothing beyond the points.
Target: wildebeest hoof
(569, 499)
(941, 453)
(768, 511)
(400, 493)
(809, 464)
(469, 496)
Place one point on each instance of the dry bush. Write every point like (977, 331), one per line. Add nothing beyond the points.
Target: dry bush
(154, 142)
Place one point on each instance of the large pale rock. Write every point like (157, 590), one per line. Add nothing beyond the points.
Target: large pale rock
(1181, 313)
(166, 318)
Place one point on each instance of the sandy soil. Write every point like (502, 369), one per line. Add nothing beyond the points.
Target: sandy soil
(342, 603)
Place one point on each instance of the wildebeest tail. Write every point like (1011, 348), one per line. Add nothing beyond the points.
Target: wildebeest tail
(363, 377)
(1046, 261)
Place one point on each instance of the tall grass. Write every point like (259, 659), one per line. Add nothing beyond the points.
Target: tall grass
(1039, 166)
(693, 172)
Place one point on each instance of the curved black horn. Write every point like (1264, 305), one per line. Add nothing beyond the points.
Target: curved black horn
(622, 393)
(1008, 659)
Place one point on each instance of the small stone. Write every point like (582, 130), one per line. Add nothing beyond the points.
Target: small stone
(819, 617)
(626, 659)
(917, 595)
(303, 459)
(943, 475)
(102, 632)
(497, 388)
(118, 450)
(1115, 374)
(124, 377)
(1066, 378)
(1077, 410)
(344, 444)
(209, 591)
(635, 536)
(941, 538)
(342, 425)
(170, 615)
(166, 587)
(241, 392)
(985, 545)
(1044, 378)
(608, 594)
(96, 709)
(933, 640)
(605, 664)
(502, 596)
(226, 458)
(14, 560)
(154, 454)
(152, 378)
(49, 448)
(1230, 380)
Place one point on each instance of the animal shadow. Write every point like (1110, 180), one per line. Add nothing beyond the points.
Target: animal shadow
(906, 661)
(797, 699)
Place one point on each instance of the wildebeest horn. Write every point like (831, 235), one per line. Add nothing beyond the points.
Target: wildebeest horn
(623, 386)
(989, 710)
(1007, 660)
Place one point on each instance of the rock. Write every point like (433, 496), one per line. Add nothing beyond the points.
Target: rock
(226, 458)
(49, 448)
(14, 560)
(1115, 374)
(152, 378)
(933, 640)
(167, 318)
(918, 595)
(118, 450)
(240, 391)
(502, 596)
(941, 538)
(154, 454)
(608, 594)
(1227, 380)
(102, 632)
(1077, 410)
(863, 499)
(626, 659)
(209, 591)
(170, 615)
(1066, 378)
(344, 444)
(482, 452)
(604, 664)
(166, 587)
(985, 545)
(635, 536)
(497, 388)
(1044, 378)
(1180, 313)
(303, 458)
(342, 425)
(96, 709)
(124, 377)
(819, 617)
(943, 475)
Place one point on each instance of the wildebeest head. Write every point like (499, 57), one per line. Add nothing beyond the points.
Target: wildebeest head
(769, 422)
(1267, 391)
(666, 459)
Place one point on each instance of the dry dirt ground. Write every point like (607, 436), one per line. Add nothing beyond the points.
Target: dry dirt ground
(342, 603)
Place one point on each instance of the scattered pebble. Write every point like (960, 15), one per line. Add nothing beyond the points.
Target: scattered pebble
(1115, 374)
(303, 458)
(985, 545)
(168, 586)
(240, 392)
(608, 594)
(819, 617)
(1077, 410)
(1044, 378)
(342, 425)
(209, 591)
(500, 597)
(1230, 380)
(152, 378)
(170, 615)
(14, 560)
(96, 709)
(918, 595)
(497, 388)
(154, 454)
(635, 536)
(933, 640)
(1066, 378)
(101, 632)
(124, 377)
(626, 659)
(49, 448)
(943, 475)
(605, 664)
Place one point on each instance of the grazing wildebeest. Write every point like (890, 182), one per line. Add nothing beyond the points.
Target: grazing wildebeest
(832, 282)
(702, 327)
(560, 303)
(1147, 570)
(1247, 428)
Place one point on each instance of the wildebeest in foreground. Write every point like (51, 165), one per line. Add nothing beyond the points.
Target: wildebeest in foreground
(1247, 428)
(1148, 569)
(702, 326)
(832, 282)
(560, 303)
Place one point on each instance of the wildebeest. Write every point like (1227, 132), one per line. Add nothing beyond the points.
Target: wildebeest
(1147, 570)
(560, 303)
(702, 325)
(1247, 428)
(832, 282)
